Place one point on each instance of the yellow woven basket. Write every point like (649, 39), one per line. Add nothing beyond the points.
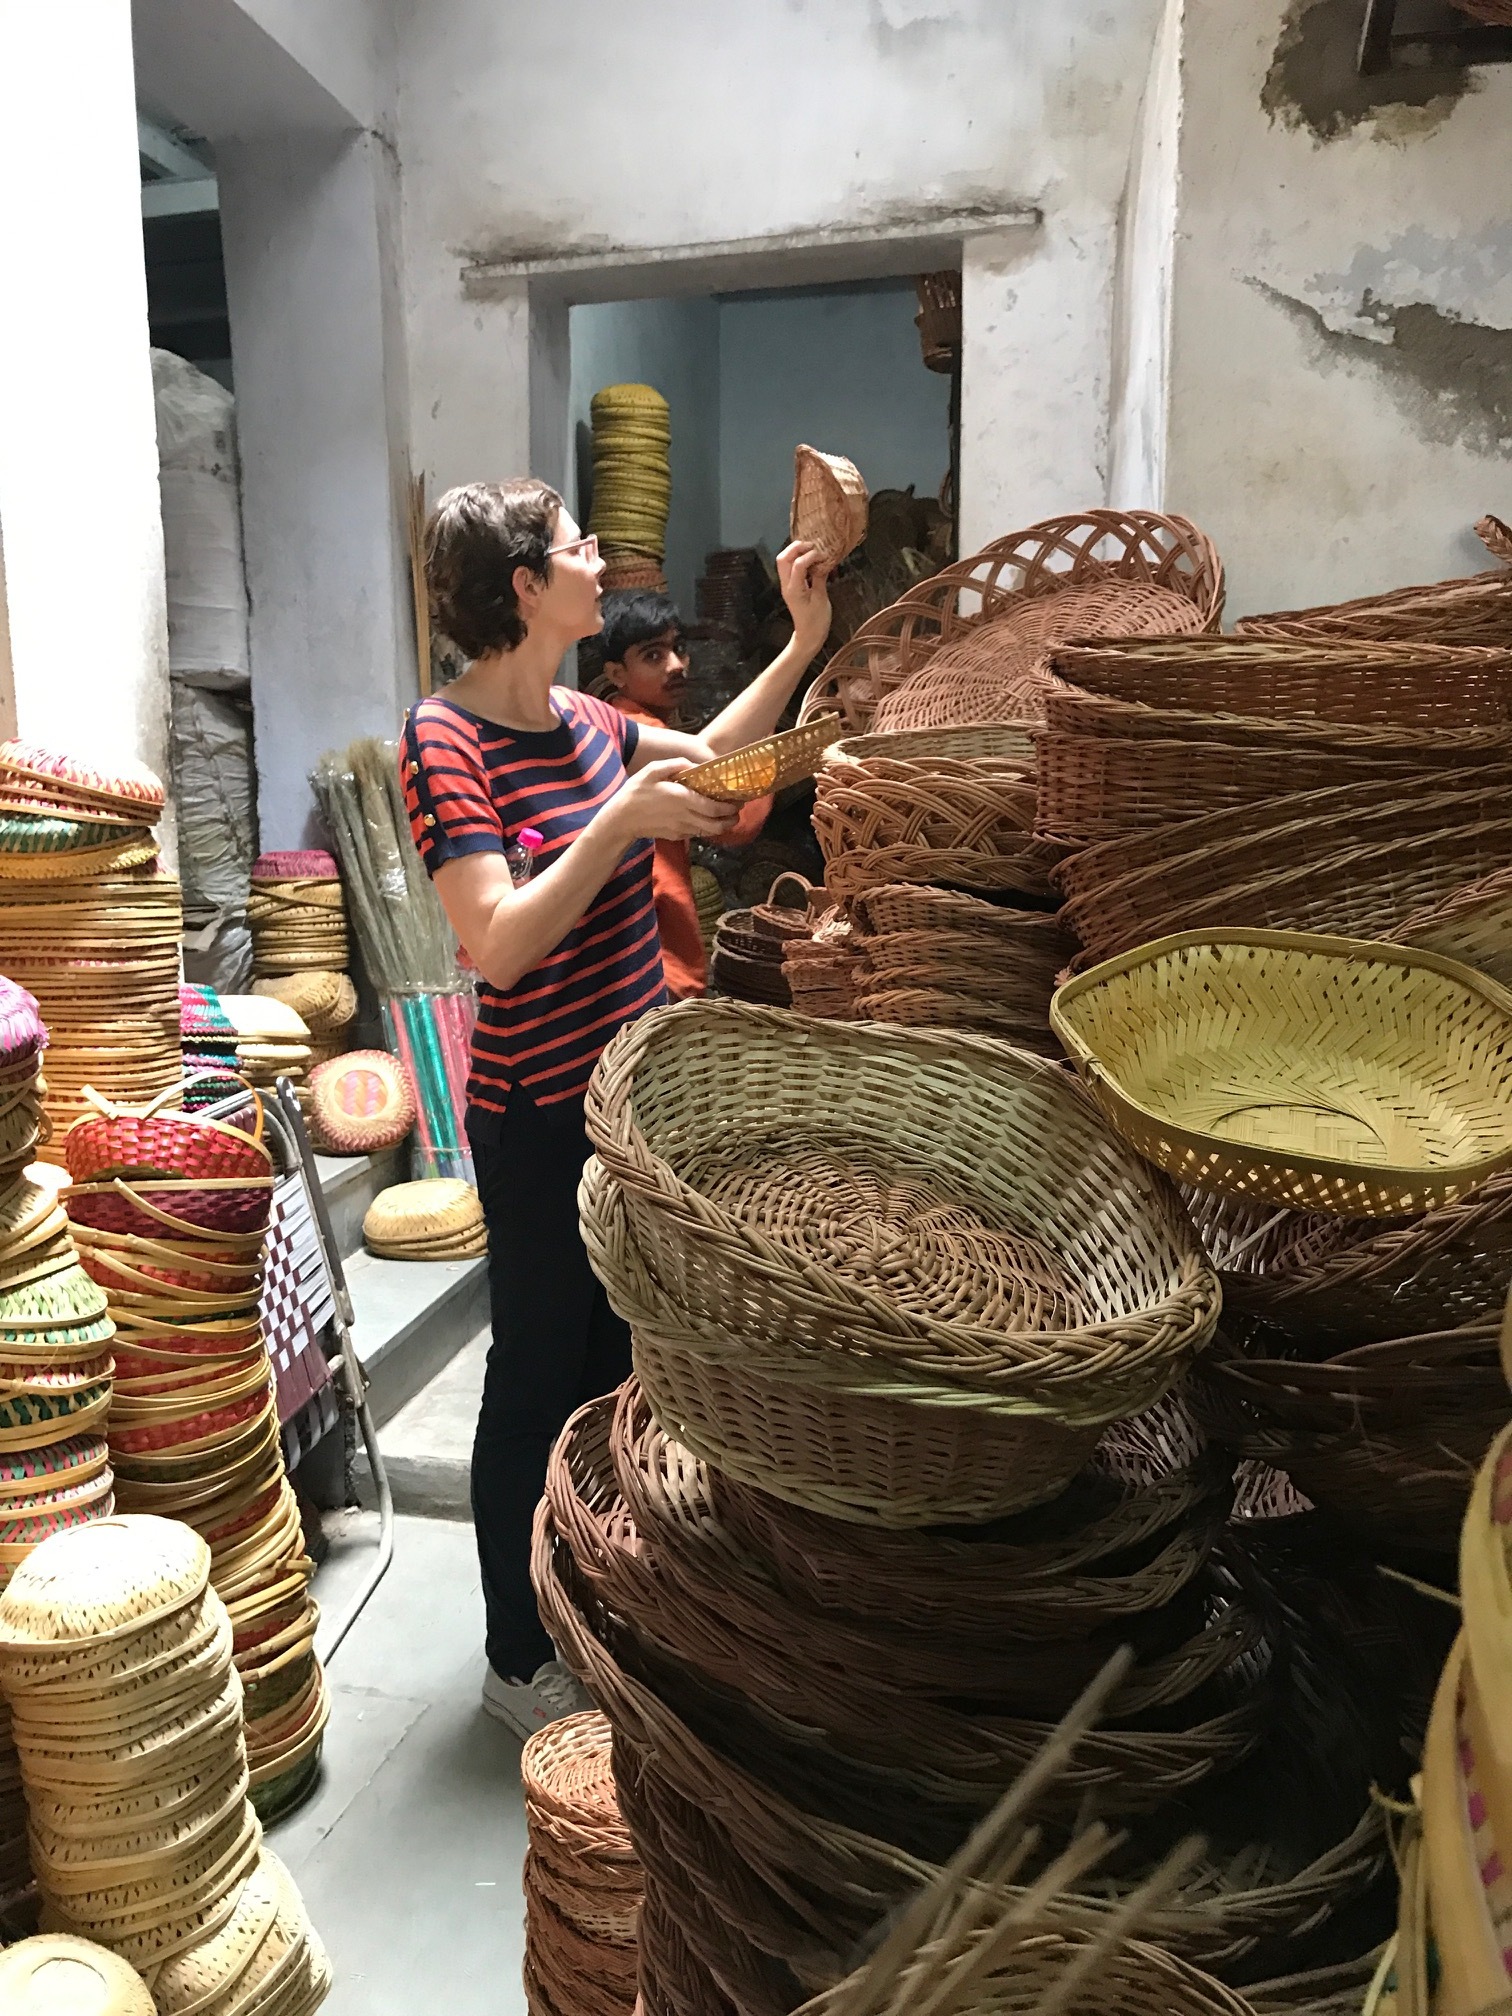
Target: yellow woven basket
(765, 766)
(1323, 1074)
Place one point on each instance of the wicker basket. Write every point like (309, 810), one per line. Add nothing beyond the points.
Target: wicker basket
(954, 1180)
(829, 504)
(1363, 860)
(1404, 685)
(361, 1103)
(1476, 610)
(956, 806)
(843, 1439)
(1472, 924)
(1351, 1281)
(761, 768)
(1322, 1074)
(1004, 586)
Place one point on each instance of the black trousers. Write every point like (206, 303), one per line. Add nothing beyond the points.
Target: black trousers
(556, 1344)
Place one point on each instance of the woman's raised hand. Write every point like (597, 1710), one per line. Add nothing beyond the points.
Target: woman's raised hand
(654, 806)
(803, 575)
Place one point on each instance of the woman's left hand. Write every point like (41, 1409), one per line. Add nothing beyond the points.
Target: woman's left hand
(803, 573)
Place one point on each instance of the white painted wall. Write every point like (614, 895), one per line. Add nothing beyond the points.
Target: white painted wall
(673, 345)
(629, 131)
(79, 520)
(840, 370)
(310, 272)
(1146, 259)
(1308, 430)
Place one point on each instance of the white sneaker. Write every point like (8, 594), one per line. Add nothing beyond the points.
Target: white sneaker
(528, 1705)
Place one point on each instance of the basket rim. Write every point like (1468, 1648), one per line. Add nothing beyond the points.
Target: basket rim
(1462, 1176)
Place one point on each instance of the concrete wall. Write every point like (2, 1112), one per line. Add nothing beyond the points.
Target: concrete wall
(1341, 377)
(82, 603)
(532, 135)
(841, 370)
(673, 345)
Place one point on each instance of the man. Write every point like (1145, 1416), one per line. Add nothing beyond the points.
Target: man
(645, 664)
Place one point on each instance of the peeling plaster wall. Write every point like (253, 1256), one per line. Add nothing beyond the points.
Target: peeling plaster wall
(530, 132)
(1341, 404)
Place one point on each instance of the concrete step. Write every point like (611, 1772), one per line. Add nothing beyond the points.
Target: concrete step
(350, 1183)
(412, 1318)
(427, 1445)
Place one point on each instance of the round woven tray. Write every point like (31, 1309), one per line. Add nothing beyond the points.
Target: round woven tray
(60, 1976)
(360, 1103)
(877, 1196)
(1002, 585)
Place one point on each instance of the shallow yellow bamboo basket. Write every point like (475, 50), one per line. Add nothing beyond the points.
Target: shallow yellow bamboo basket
(765, 766)
(1324, 1074)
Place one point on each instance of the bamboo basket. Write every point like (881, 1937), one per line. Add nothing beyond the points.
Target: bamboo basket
(728, 1128)
(1325, 1074)
(1005, 584)
(761, 768)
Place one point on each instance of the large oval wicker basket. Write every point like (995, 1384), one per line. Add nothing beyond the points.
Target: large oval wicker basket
(1005, 584)
(1324, 1074)
(937, 1202)
(1474, 610)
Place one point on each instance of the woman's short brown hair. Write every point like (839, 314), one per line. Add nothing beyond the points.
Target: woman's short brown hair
(477, 536)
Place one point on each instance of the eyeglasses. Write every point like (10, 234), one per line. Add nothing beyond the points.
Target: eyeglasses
(587, 546)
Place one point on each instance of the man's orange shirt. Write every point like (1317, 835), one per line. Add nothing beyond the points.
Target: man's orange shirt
(683, 958)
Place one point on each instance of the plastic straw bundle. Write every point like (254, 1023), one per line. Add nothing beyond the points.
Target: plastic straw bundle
(431, 1035)
(632, 475)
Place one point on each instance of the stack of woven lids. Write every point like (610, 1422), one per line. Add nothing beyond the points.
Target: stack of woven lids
(297, 914)
(171, 1212)
(582, 1879)
(117, 1659)
(632, 473)
(207, 1038)
(439, 1218)
(272, 1041)
(326, 1003)
(89, 925)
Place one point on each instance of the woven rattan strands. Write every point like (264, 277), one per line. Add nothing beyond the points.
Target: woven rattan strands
(1080, 549)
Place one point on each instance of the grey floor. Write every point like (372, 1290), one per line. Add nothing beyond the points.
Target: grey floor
(409, 1855)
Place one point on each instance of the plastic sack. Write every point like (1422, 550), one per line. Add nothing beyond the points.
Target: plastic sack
(199, 483)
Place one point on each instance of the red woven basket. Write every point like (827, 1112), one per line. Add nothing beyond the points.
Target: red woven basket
(234, 1209)
(160, 1144)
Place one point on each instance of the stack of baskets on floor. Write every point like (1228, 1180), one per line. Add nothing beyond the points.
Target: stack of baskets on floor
(116, 1659)
(858, 1536)
(582, 1880)
(89, 925)
(171, 1213)
(439, 1218)
(747, 962)
(632, 481)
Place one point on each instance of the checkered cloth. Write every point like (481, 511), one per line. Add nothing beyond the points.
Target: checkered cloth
(298, 1305)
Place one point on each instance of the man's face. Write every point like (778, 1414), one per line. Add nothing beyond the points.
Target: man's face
(653, 674)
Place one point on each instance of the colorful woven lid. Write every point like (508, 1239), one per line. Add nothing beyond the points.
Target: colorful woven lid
(361, 1103)
(24, 1473)
(44, 833)
(201, 1013)
(56, 1975)
(110, 1576)
(22, 1030)
(297, 865)
(125, 787)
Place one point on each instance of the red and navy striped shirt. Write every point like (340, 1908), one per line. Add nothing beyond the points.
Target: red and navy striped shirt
(470, 785)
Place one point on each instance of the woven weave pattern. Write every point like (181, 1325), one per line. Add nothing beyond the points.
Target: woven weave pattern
(1112, 547)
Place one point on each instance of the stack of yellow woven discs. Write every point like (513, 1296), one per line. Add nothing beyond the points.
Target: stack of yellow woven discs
(632, 473)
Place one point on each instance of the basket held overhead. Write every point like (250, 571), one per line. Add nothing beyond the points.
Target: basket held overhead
(1324, 1074)
(829, 503)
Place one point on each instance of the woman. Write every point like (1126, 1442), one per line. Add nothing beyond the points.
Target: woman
(565, 961)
